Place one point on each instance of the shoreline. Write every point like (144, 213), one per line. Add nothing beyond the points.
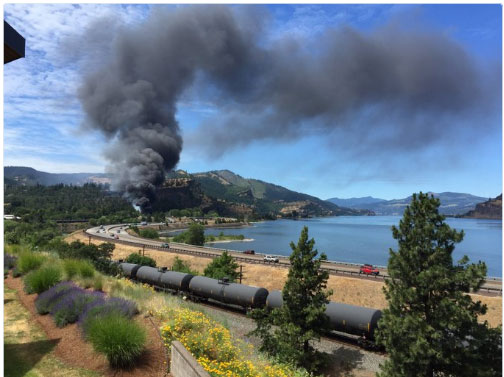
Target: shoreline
(228, 241)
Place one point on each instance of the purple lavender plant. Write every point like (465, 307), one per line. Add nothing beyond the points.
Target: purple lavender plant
(9, 261)
(71, 305)
(47, 299)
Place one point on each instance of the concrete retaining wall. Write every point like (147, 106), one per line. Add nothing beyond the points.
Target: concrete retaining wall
(183, 364)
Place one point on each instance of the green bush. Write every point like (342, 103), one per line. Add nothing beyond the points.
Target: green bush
(71, 267)
(16, 273)
(141, 260)
(120, 339)
(183, 266)
(86, 269)
(42, 279)
(98, 283)
(29, 261)
(149, 233)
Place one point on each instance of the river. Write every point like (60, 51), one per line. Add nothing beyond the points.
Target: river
(364, 239)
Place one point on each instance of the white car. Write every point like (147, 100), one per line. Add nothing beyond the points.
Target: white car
(270, 258)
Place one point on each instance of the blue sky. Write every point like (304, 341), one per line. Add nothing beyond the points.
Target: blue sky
(43, 117)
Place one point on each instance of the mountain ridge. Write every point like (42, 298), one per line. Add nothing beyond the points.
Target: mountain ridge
(452, 204)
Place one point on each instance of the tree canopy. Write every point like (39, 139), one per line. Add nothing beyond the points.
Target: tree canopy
(431, 325)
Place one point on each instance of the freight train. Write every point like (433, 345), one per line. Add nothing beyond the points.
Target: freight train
(348, 319)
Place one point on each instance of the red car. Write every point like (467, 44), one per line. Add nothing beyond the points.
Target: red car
(368, 269)
(249, 252)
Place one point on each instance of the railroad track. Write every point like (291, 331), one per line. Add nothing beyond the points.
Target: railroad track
(213, 253)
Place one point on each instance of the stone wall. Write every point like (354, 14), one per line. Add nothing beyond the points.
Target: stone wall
(183, 364)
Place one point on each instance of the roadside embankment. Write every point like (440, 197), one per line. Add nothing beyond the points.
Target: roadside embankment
(348, 290)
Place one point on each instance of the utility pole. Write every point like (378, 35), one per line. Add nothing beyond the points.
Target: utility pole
(241, 272)
(89, 243)
(143, 253)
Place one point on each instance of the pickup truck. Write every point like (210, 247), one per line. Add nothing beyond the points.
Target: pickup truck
(165, 245)
(270, 258)
(368, 269)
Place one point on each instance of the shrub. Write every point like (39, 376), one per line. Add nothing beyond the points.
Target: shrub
(100, 308)
(16, 273)
(121, 340)
(29, 261)
(98, 283)
(86, 269)
(149, 233)
(141, 260)
(70, 306)
(9, 261)
(47, 299)
(183, 266)
(71, 267)
(42, 279)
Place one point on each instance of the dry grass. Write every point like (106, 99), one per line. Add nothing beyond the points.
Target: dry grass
(347, 290)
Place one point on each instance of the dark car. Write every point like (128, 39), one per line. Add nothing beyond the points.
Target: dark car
(166, 245)
(368, 269)
(252, 252)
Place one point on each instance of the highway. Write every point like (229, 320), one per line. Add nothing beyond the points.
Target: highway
(118, 233)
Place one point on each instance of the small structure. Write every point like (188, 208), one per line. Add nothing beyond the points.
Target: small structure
(14, 44)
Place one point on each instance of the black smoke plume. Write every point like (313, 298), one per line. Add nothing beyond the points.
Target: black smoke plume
(394, 88)
(132, 98)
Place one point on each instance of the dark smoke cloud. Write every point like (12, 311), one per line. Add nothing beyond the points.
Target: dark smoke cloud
(396, 87)
(132, 98)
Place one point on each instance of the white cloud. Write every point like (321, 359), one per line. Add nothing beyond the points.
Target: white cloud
(42, 113)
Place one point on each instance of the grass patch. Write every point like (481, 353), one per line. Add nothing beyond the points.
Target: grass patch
(42, 279)
(118, 338)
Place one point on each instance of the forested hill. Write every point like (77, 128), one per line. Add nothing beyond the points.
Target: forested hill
(265, 198)
(61, 202)
(26, 176)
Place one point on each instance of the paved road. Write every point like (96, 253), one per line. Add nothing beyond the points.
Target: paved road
(117, 232)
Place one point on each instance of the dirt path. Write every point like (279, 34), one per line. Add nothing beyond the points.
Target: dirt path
(67, 343)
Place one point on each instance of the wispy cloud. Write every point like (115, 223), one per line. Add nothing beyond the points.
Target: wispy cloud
(42, 115)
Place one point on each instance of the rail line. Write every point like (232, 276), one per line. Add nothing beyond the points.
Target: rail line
(214, 252)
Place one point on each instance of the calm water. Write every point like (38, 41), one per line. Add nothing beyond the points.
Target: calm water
(365, 239)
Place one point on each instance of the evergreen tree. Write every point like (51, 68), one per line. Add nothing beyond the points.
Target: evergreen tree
(223, 266)
(302, 318)
(430, 327)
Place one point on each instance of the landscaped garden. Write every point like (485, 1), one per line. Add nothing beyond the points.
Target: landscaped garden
(106, 311)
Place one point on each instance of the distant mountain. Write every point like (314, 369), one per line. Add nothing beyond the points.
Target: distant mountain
(352, 202)
(20, 175)
(491, 209)
(452, 203)
(245, 195)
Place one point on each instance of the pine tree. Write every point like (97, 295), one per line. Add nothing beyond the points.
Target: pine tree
(430, 327)
(222, 266)
(302, 317)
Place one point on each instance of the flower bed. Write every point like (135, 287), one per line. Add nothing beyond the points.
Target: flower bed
(214, 348)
